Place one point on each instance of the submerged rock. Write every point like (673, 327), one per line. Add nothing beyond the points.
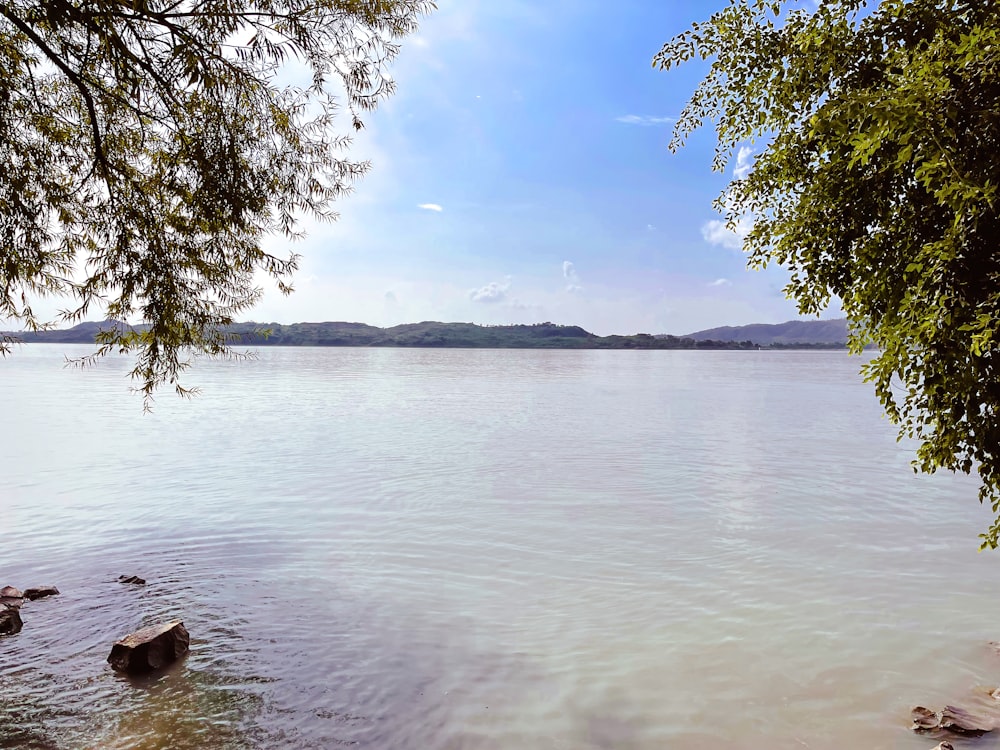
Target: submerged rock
(132, 579)
(39, 592)
(150, 648)
(10, 621)
(951, 719)
(10, 598)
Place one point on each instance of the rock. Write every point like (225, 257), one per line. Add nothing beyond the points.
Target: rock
(950, 719)
(39, 592)
(923, 719)
(10, 621)
(10, 598)
(150, 648)
(944, 746)
(132, 579)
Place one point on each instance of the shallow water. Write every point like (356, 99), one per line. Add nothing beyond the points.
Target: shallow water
(485, 549)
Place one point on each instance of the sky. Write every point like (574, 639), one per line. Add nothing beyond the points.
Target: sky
(521, 174)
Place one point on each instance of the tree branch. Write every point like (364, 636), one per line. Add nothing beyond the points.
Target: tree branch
(74, 77)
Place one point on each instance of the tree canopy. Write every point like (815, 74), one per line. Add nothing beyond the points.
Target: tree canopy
(148, 147)
(878, 130)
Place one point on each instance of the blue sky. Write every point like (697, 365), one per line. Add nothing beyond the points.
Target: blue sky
(521, 174)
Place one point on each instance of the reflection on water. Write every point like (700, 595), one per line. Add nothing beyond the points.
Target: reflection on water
(485, 549)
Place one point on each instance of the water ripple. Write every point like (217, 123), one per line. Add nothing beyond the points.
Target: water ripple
(474, 550)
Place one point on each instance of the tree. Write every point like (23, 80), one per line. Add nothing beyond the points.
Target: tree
(876, 181)
(150, 146)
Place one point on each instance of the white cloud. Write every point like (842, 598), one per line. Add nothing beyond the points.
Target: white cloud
(572, 277)
(491, 293)
(431, 207)
(644, 120)
(715, 232)
(721, 282)
(743, 162)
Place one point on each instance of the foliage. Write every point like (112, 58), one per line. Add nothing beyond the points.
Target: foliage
(150, 146)
(876, 182)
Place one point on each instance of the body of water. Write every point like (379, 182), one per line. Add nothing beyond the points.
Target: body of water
(480, 550)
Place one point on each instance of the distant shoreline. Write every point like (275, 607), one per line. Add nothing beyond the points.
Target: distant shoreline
(726, 348)
(434, 335)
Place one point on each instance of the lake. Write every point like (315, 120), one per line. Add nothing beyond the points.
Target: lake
(483, 550)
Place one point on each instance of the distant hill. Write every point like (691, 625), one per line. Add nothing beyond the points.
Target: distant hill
(426, 334)
(82, 333)
(800, 334)
(794, 332)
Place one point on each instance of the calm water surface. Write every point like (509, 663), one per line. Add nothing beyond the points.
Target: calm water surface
(479, 550)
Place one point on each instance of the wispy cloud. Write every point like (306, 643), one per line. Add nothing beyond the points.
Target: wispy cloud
(721, 282)
(645, 120)
(715, 232)
(431, 207)
(492, 293)
(743, 162)
(572, 277)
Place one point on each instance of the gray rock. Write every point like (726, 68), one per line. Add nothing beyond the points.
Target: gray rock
(39, 592)
(944, 746)
(132, 579)
(150, 648)
(923, 719)
(10, 621)
(951, 719)
(10, 598)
